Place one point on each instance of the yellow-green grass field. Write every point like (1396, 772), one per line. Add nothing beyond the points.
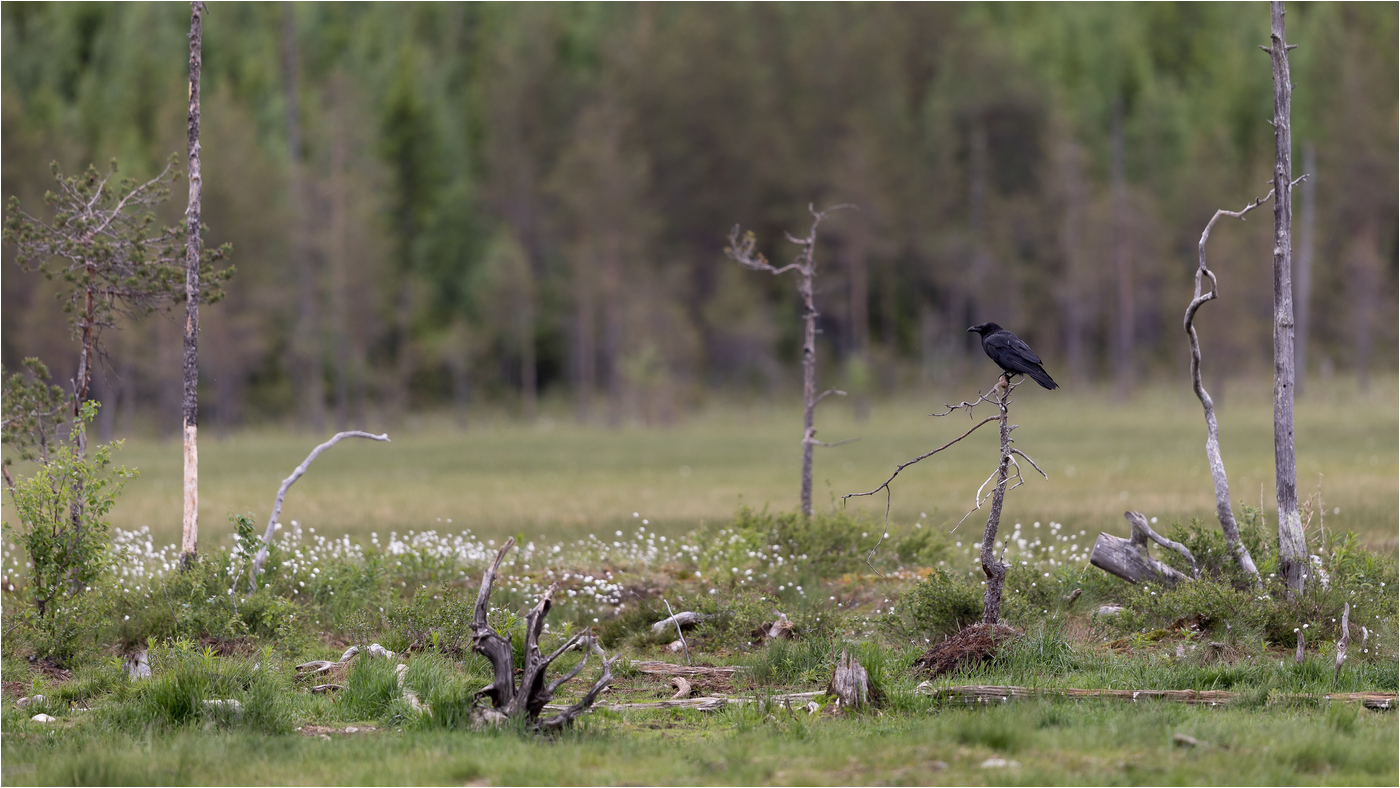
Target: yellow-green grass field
(562, 480)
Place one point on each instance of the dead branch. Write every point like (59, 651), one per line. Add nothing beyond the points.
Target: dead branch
(527, 699)
(286, 485)
(1217, 466)
(743, 251)
(679, 634)
(655, 667)
(685, 619)
(1130, 558)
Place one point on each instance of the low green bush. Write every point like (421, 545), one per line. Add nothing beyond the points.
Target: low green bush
(938, 605)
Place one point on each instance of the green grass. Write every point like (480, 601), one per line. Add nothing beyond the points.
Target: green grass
(1049, 743)
(560, 480)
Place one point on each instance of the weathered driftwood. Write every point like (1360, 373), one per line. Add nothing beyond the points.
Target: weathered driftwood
(1130, 558)
(286, 485)
(973, 694)
(679, 634)
(656, 667)
(706, 703)
(682, 688)
(318, 666)
(527, 699)
(685, 619)
(850, 683)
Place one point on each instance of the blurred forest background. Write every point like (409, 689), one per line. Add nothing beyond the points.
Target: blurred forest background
(503, 208)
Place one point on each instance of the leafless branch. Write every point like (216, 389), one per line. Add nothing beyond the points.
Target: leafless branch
(886, 483)
(828, 392)
(1344, 641)
(679, 634)
(286, 485)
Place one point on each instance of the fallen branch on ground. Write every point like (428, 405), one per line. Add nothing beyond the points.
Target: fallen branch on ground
(1130, 558)
(972, 694)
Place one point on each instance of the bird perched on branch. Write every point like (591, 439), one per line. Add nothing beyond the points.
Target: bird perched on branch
(1011, 354)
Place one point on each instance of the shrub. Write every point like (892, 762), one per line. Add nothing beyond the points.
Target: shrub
(938, 605)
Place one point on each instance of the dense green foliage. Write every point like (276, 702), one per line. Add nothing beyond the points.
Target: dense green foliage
(499, 198)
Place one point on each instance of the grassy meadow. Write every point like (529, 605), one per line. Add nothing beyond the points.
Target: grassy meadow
(362, 578)
(560, 480)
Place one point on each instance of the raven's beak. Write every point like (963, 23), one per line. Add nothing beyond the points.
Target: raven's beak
(972, 330)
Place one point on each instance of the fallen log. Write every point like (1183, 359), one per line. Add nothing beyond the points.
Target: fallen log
(685, 619)
(707, 703)
(975, 694)
(657, 667)
(1130, 558)
(682, 688)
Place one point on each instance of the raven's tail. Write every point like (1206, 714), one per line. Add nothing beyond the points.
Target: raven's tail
(1039, 376)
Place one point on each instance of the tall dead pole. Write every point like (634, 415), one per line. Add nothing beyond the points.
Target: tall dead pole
(1293, 552)
(743, 252)
(190, 406)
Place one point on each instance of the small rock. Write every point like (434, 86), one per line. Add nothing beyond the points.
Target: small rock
(232, 705)
(938, 766)
(674, 647)
(998, 763)
(352, 729)
(1182, 740)
(1110, 610)
(44, 718)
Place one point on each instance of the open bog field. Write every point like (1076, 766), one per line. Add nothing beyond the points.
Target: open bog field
(561, 480)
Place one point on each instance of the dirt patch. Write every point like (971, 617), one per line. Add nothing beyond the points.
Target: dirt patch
(225, 647)
(14, 689)
(971, 646)
(52, 671)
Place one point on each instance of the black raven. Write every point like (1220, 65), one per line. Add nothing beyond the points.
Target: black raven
(1011, 354)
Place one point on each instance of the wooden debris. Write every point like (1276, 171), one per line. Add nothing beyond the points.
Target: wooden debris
(138, 665)
(669, 669)
(321, 689)
(685, 619)
(682, 688)
(707, 703)
(974, 694)
(527, 699)
(850, 684)
(1130, 558)
(1344, 641)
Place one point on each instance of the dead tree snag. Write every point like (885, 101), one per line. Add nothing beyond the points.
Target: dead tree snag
(527, 699)
(993, 567)
(1292, 549)
(189, 409)
(743, 252)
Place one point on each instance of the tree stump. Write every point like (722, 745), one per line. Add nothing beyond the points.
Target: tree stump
(850, 684)
(528, 698)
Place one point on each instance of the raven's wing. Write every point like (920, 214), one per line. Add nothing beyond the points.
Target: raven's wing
(1009, 347)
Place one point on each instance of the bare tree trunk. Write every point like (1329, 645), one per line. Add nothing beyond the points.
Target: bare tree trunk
(1122, 260)
(1302, 286)
(994, 568)
(339, 274)
(305, 344)
(809, 383)
(1293, 551)
(193, 243)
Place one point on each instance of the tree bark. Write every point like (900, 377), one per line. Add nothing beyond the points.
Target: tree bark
(1217, 466)
(193, 248)
(994, 568)
(1293, 551)
(1302, 286)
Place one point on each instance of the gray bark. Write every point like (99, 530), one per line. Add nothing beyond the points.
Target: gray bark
(193, 249)
(286, 485)
(1223, 512)
(850, 683)
(1302, 286)
(1292, 548)
(526, 700)
(994, 568)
